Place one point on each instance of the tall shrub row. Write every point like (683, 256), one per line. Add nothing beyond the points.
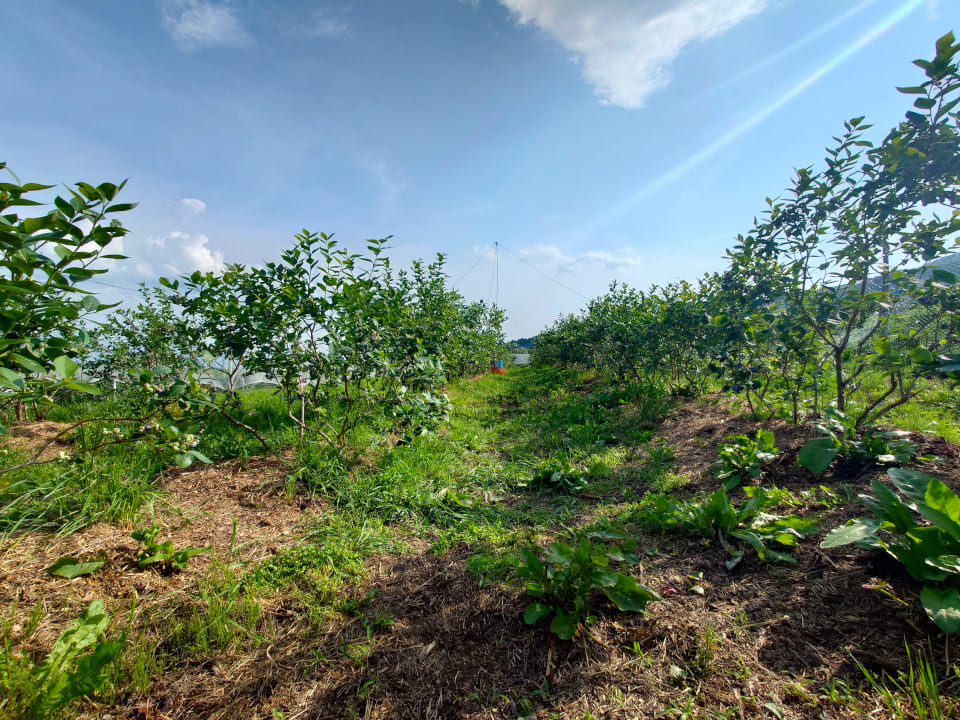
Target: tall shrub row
(834, 297)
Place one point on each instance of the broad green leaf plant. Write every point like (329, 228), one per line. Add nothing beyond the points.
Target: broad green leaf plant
(843, 441)
(567, 577)
(163, 553)
(918, 523)
(735, 528)
(744, 457)
(72, 669)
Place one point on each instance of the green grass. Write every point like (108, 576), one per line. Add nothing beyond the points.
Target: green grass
(462, 489)
(65, 498)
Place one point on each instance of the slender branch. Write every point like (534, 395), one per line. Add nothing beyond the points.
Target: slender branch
(243, 425)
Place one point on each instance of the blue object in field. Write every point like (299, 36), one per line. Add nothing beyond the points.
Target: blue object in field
(499, 364)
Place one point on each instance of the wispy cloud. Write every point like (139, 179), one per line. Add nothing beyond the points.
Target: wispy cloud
(197, 24)
(327, 23)
(389, 185)
(551, 259)
(626, 46)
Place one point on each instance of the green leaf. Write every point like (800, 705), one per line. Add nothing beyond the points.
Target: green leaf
(628, 594)
(564, 626)
(561, 554)
(887, 506)
(201, 457)
(88, 388)
(65, 367)
(943, 607)
(13, 380)
(853, 531)
(120, 207)
(912, 483)
(921, 356)
(533, 563)
(70, 567)
(81, 634)
(817, 454)
(942, 508)
(776, 556)
(535, 611)
(86, 679)
(948, 563)
(145, 559)
(28, 364)
(608, 535)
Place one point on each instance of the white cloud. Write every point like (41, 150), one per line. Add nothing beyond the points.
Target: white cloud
(626, 46)
(327, 24)
(196, 24)
(192, 206)
(196, 253)
(552, 259)
(173, 254)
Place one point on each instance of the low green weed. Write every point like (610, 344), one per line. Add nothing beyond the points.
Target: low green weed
(220, 614)
(918, 689)
(332, 551)
(929, 550)
(559, 476)
(657, 468)
(744, 457)
(568, 576)
(734, 528)
(71, 670)
(162, 553)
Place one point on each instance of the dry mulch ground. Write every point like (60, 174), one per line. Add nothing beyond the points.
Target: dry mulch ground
(237, 508)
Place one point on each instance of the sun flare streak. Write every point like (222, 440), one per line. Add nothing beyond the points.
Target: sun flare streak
(705, 153)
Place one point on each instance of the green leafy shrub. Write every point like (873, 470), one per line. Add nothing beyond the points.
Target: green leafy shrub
(734, 528)
(45, 262)
(841, 440)
(68, 672)
(744, 457)
(930, 552)
(163, 553)
(568, 576)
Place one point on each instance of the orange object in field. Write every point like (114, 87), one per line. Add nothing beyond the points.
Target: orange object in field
(496, 367)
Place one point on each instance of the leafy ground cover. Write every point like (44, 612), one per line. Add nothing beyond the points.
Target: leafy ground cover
(386, 584)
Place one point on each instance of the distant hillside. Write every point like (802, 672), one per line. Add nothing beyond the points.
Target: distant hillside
(950, 263)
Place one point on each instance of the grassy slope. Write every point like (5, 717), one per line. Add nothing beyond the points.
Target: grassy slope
(390, 594)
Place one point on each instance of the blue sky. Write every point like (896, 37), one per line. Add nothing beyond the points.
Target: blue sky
(594, 140)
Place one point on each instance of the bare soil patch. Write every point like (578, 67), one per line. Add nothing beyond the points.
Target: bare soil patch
(237, 507)
(31, 436)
